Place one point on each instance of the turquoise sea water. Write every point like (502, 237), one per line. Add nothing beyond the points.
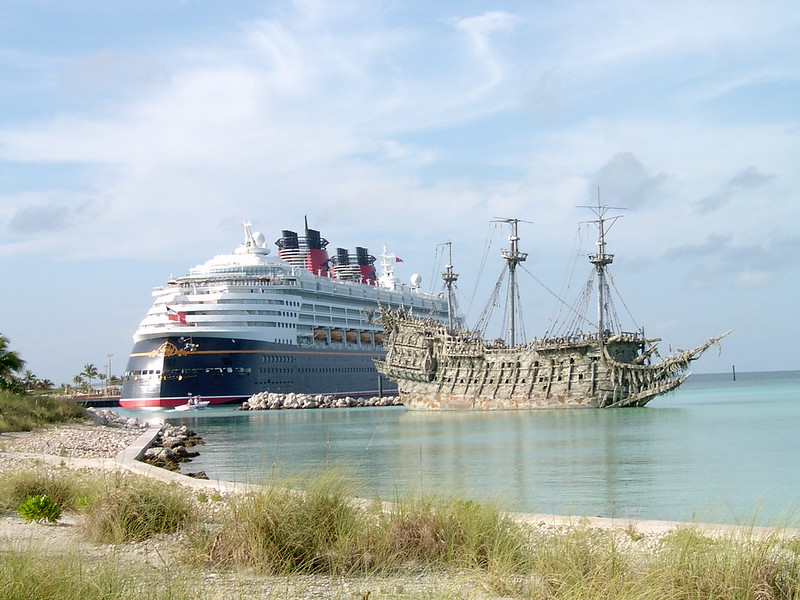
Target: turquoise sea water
(717, 450)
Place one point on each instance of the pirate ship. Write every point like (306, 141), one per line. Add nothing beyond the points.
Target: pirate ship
(440, 365)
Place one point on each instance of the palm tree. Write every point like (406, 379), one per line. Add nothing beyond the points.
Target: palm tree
(78, 381)
(28, 379)
(10, 363)
(45, 384)
(90, 372)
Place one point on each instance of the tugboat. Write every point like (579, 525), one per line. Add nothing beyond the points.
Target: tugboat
(438, 366)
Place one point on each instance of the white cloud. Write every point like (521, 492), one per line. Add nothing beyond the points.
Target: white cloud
(479, 31)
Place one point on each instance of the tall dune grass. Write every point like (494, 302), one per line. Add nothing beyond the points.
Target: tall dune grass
(33, 574)
(26, 412)
(311, 525)
(60, 485)
(314, 527)
(131, 509)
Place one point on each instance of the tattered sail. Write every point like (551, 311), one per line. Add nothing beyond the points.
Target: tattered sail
(439, 367)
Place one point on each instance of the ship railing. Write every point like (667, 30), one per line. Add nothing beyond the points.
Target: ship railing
(584, 338)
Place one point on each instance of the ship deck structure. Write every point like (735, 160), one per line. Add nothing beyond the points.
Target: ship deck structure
(249, 321)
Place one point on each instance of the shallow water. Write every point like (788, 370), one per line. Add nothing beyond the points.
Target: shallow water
(716, 450)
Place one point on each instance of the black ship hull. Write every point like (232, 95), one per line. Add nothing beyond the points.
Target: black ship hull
(165, 372)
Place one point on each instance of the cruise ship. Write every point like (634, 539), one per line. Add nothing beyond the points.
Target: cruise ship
(250, 321)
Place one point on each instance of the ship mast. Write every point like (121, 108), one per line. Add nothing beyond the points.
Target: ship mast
(601, 260)
(513, 257)
(450, 278)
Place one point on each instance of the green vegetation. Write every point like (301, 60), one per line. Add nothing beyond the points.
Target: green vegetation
(60, 485)
(118, 507)
(311, 526)
(40, 509)
(132, 509)
(26, 412)
(10, 365)
(29, 575)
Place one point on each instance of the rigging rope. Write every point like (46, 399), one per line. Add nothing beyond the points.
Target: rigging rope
(483, 320)
(552, 293)
(614, 284)
(486, 247)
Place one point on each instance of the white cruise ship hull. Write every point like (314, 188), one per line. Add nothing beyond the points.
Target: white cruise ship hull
(248, 322)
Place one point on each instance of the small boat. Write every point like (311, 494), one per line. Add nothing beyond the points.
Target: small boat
(193, 404)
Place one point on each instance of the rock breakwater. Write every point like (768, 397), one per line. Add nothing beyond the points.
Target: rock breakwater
(171, 447)
(273, 401)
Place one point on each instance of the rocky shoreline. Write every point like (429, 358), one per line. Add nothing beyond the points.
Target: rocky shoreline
(171, 448)
(274, 401)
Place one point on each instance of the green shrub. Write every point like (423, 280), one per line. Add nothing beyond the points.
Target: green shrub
(60, 485)
(40, 509)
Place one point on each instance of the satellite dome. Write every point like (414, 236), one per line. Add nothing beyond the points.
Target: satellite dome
(259, 238)
(416, 279)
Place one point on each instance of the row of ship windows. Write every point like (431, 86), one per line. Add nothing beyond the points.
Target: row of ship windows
(516, 365)
(318, 308)
(238, 301)
(240, 371)
(311, 370)
(197, 371)
(508, 380)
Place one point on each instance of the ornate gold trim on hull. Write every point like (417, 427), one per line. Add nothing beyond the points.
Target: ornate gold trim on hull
(168, 349)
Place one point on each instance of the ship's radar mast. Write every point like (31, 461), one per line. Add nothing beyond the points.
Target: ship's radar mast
(254, 243)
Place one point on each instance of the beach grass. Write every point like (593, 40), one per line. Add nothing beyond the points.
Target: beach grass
(60, 485)
(127, 508)
(116, 507)
(35, 574)
(311, 526)
(27, 412)
(314, 526)
(288, 527)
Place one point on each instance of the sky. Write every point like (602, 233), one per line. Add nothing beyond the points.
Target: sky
(136, 136)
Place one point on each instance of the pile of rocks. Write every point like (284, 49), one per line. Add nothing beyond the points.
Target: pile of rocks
(109, 417)
(171, 447)
(273, 401)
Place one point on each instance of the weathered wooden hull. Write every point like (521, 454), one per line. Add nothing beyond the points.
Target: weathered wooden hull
(440, 369)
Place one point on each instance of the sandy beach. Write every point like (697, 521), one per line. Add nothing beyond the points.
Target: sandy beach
(92, 445)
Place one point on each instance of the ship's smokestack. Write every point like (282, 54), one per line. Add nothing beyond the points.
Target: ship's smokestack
(366, 265)
(317, 259)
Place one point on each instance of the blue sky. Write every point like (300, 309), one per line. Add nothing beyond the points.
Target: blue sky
(136, 136)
